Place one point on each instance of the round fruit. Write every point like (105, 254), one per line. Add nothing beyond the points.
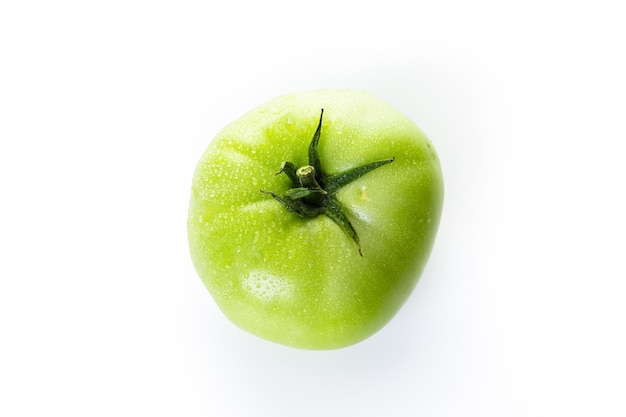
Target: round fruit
(312, 217)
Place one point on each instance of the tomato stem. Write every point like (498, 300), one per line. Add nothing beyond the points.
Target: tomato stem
(312, 193)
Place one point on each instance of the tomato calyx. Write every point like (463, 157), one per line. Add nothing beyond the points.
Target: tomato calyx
(313, 192)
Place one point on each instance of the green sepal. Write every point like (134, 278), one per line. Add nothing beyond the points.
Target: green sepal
(312, 193)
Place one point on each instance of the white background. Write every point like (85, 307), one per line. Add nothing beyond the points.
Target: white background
(105, 107)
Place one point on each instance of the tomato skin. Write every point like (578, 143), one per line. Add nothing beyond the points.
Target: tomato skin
(301, 281)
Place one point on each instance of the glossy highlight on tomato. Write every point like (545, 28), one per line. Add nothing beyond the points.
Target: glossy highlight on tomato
(312, 217)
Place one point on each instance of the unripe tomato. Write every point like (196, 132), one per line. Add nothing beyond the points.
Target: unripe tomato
(312, 217)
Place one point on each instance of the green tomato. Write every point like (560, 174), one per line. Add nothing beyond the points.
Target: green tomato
(312, 217)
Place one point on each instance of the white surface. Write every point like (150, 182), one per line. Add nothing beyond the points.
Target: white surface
(105, 108)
